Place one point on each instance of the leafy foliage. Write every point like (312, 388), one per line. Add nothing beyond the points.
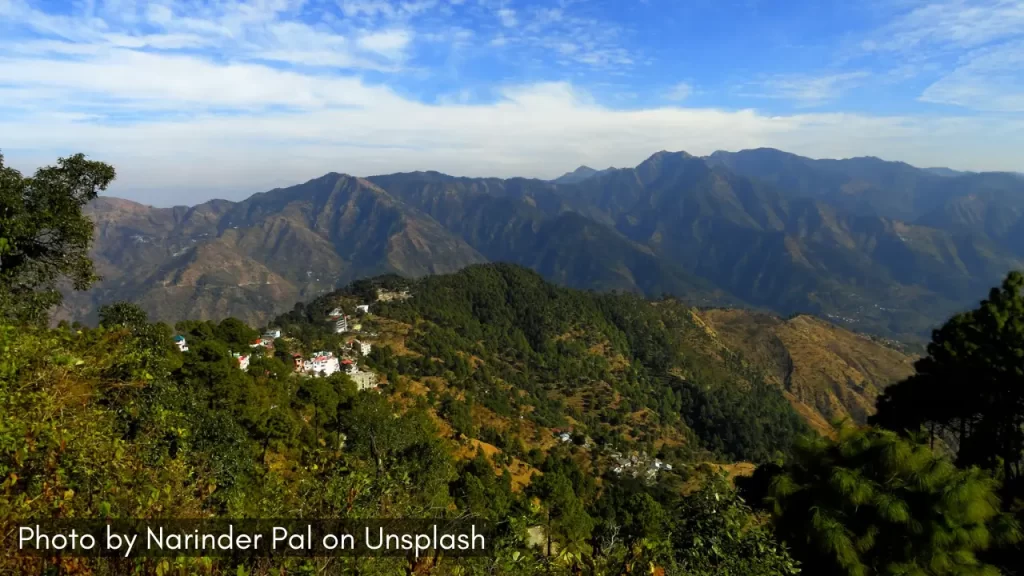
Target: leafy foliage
(44, 237)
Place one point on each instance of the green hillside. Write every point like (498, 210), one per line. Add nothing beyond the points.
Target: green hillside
(598, 432)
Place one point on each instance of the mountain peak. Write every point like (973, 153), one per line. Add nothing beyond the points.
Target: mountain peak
(579, 175)
(663, 154)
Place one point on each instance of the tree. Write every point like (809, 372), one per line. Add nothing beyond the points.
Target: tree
(44, 236)
(235, 333)
(567, 520)
(873, 502)
(123, 313)
(969, 389)
(715, 532)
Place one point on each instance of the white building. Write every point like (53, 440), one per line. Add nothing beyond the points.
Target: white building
(243, 361)
(364, 348)
(179, 341)
(272, 333)
(341, 325)
(340, 322)
(322, 362)
(364, 380)
(364, 308)
(264, 342)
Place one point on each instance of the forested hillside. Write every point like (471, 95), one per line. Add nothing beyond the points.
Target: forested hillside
(598, 431)
(628, 372)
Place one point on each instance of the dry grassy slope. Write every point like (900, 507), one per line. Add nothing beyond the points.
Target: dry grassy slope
(255, 258)
(827, 372)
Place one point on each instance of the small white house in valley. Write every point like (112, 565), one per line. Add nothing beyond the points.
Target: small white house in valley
(364, 308)
(272, 333)
(242, 359)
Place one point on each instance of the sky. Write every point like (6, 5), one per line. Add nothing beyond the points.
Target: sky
(191, 100)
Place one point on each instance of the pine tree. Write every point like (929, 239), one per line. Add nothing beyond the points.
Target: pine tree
(969, 389)
(873, 502)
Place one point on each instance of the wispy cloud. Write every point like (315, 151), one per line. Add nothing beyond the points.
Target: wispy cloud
(806, 90)
(974, 45)
(949, 24)
(679, 92)
(508, 17)
(987, 79)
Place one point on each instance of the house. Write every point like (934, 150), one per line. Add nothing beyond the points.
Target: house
(243, 360)
(262, 342)
(364, 348)
(348, 366)
(364, 380)
(340, 321)
(179, 341)
(272, 333)
(341, 325)
(565, 437)
(363, 308)
(297, 360)
(336, 312)
(321, 363)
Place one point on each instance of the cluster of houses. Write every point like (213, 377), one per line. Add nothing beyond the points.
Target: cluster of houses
(638, 464)
(322, 363)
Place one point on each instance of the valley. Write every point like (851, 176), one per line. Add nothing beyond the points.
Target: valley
(879, 247)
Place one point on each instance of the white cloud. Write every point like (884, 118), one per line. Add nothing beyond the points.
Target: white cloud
(389, 43)
(807, 90)
(508, 17)
(679, 92)
(233, 29)
(983, 39)
(950, 23)
(345, 125)
(988, 79)
(298, 108)
(177, 82)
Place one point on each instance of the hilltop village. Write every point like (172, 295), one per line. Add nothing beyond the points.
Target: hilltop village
(347, 358)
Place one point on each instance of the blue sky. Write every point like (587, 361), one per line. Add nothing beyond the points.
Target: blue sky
(196, 99)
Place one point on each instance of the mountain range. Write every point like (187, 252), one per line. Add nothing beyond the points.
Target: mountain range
(878, 246)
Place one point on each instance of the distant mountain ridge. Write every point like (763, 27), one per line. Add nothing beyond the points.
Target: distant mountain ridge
(877, 246)
(579, 175)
